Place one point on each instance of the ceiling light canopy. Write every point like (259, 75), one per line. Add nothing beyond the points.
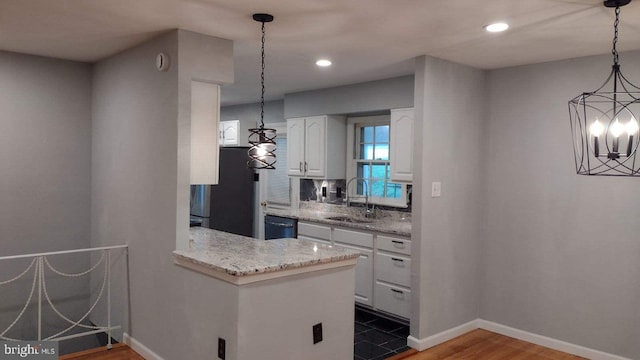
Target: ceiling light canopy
(323, 63)
(263, 140)
(496, 27)
(603, 122)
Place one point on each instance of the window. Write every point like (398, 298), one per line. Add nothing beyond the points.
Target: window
(370, 146)
(278, 184)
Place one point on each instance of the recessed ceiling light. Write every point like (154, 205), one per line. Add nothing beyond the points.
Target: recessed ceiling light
(497, 27)
(323, 63)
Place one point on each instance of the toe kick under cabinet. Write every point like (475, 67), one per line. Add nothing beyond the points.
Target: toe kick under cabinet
(383, 272)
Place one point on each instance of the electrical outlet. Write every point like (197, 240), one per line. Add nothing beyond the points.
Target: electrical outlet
(222, 351)
(317, 333)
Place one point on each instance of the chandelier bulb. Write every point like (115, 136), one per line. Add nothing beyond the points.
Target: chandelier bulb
(631, 127)
(596, 129)
(617, 128)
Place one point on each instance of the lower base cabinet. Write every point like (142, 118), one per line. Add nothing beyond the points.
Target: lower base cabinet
(383, 272)
(393, 299)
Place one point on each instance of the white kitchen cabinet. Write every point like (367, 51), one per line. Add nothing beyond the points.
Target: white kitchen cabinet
(383, 271)
(393, 268)
(295, 146)
(320, 234)
(316, 147)
(229, 133)
(205, 119)
(364, 275)
(392, 299)
(362, 242)
(401, 145)
(393, 275)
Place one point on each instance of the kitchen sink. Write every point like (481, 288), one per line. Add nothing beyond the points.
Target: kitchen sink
(349, 219)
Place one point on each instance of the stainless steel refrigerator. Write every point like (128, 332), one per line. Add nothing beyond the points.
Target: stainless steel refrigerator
(229, 205)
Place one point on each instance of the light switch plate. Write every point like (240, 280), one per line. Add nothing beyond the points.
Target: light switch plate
(436, 189)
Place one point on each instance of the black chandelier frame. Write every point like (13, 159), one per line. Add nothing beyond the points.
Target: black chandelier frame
(263, 140)
(601, 154)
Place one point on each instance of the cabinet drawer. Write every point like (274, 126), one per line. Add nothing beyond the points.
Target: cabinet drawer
(364, 275)
(393, 299)
(393, 268)
(318, 241)
(353, 238)
(316, 231)
(398, 245)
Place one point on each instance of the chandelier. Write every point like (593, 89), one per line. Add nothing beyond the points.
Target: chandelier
(603, 122)
(263, 140)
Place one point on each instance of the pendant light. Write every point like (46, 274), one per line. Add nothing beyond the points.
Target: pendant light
(263, 140)
(603, 122)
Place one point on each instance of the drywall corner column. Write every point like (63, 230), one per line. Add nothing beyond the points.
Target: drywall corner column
(204, 59)
(449, 107)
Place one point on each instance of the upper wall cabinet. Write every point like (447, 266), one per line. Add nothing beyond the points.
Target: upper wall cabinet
(316, 147)
(401, 145)
(205, 118)
(229, 133)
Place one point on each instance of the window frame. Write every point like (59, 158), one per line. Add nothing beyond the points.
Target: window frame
(353, 150)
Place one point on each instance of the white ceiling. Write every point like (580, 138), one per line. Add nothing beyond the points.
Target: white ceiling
(365, 39)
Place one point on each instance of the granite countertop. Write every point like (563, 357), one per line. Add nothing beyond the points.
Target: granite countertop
(396, 224)
(239, 256)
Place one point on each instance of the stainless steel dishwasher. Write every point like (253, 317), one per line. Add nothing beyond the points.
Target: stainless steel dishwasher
(278, 227)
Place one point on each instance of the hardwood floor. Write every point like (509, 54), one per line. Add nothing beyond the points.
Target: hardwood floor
(485, 345)
(474, 345)
(118, 352)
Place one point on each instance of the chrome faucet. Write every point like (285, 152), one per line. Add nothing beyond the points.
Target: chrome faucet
(368, 213)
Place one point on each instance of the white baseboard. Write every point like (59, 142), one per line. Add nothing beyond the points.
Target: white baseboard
(547, 341)
(139, 347)
(433, 340)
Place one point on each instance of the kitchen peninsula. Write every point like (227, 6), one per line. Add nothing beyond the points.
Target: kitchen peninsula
(276, 291)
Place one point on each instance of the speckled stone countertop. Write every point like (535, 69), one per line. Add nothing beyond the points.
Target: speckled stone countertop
(389, 222)
(230, 255)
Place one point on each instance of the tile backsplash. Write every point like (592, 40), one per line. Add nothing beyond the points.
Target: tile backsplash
(311, 190)
(323, 191)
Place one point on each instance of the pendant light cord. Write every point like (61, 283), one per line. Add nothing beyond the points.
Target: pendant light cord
(262, 81)
(614, 51)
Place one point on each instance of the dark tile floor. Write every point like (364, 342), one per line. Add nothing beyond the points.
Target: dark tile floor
(378, 338)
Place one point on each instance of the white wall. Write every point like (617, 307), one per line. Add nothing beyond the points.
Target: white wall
(45, 154)
(140, 186)
(357, 98)
(561, 251)
(249, 114)
(446, 231)
(45, 177)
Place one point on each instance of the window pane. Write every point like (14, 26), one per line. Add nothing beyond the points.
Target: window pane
(278, 183)
(378, 171)
(394, 190)
(366, 134)
(381, 152)
(377, 187)
(366, 152)
(382, 134)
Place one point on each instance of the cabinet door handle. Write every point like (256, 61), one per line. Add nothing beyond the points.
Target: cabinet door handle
(306, 167)
(397, 242)
(300, 166)
(396, 259)
(397, 291)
